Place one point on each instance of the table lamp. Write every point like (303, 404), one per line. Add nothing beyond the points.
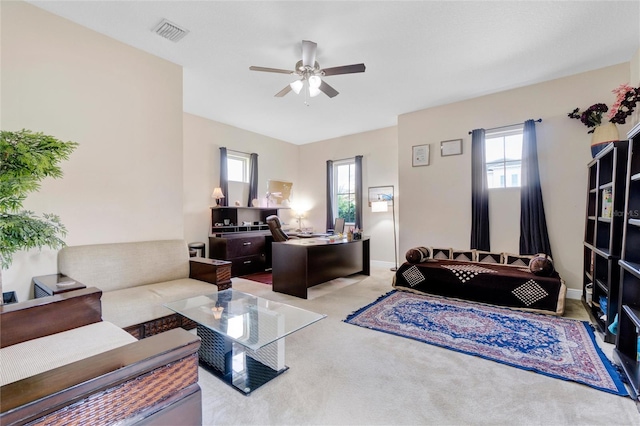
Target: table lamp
(217, 194)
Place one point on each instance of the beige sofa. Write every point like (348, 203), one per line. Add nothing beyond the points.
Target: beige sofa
(138, 278)
(61, 364)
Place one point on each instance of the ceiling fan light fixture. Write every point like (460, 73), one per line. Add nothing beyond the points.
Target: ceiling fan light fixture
(296, 86)
(315, 81)
(313, 91)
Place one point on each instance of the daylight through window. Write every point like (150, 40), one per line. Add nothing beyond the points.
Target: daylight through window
(344, 194)
(238, 168)
(503, 158)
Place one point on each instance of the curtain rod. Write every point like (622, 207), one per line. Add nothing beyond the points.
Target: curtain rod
(342, 159)
(240, 152)
(539, 120)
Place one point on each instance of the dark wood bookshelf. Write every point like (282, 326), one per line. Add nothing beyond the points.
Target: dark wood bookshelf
(607, 173)
(627, 353)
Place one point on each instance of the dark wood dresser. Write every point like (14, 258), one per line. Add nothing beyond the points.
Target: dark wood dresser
(241, 235)
(247, 251)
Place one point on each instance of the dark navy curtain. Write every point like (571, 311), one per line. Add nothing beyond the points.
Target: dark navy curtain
(329, 194)
(253, 178)
(479, 193)
(358, 182)
(224, 176)
(534, 237)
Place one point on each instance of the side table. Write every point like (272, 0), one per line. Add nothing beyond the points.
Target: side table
(48, 285)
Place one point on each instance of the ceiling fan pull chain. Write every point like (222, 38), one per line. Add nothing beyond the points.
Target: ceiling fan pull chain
(306, 93)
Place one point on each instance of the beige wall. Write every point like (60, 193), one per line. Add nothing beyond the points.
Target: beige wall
(634, 80)
(124, 108)
(379, 150)
(438, 212)
(202, 139)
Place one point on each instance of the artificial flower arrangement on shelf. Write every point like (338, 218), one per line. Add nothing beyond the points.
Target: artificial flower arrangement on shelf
(604, 132)
(626, 99)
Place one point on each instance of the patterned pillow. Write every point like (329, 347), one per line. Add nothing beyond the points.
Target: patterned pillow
(488, 257)
(520, 260)
(441, 253)
(464, 255)
(417, 254)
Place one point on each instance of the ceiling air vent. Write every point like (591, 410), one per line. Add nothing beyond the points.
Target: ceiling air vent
(170, 31)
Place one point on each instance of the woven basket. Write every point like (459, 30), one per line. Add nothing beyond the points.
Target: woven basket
(602, 136)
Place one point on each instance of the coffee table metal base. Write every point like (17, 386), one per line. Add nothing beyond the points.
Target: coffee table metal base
(242, 368)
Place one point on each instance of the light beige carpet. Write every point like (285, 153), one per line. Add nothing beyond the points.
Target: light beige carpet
(340, 374)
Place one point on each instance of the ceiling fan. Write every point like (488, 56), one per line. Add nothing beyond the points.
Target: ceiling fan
(310, 75)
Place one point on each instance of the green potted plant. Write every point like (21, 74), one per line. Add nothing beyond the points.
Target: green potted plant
(26, 158)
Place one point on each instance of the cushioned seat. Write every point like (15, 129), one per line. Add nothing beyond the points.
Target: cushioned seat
(36, 356)
(135, 305)
(138, 278)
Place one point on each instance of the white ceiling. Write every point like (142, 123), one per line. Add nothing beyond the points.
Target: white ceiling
(418, 54)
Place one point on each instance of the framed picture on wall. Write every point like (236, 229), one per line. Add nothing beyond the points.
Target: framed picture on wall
(452, 147)
(420, 155)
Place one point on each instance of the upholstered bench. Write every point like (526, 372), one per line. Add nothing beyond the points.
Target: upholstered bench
(500, 279)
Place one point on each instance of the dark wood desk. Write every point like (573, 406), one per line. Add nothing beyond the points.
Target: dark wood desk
(303, 263)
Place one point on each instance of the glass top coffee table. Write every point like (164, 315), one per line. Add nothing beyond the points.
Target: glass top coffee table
(243, 335)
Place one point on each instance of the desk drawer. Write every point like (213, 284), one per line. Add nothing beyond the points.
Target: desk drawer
(247, 265)
(245, 246)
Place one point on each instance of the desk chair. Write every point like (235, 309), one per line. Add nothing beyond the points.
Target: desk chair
(275, 226)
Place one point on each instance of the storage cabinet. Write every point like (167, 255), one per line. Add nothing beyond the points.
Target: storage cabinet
(241, 235)
(246, 251)
(603, 235)
(626, 351)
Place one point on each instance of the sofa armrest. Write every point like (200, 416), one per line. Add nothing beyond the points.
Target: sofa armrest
(41, 317)
(212, 271)
(154, 374)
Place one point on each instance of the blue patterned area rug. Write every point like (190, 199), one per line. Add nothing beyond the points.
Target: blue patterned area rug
(556, 347)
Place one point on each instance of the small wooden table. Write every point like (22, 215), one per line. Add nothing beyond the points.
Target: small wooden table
(48, 285)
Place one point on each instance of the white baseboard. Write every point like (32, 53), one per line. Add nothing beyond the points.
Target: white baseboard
(573, 293)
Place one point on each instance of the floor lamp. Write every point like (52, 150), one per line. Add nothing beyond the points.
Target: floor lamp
(382, 205)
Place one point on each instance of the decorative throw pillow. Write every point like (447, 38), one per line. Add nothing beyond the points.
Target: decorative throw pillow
(417, 254)
(541, 265)
(464, 255)
(520, 260)
(488, 257)
(441, 253)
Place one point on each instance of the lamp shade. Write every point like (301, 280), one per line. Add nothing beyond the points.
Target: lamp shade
(296, 86)
(379, 206)
(217, 193)
(314, 81)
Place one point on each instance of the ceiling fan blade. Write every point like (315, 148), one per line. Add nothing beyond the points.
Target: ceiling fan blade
(252, 68)
(309, 53)
(328, 90)
(345, 69)
(283, 92)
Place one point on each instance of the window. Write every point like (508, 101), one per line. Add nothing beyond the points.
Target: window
(238, 167)
(344, 191)
(503, 158)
